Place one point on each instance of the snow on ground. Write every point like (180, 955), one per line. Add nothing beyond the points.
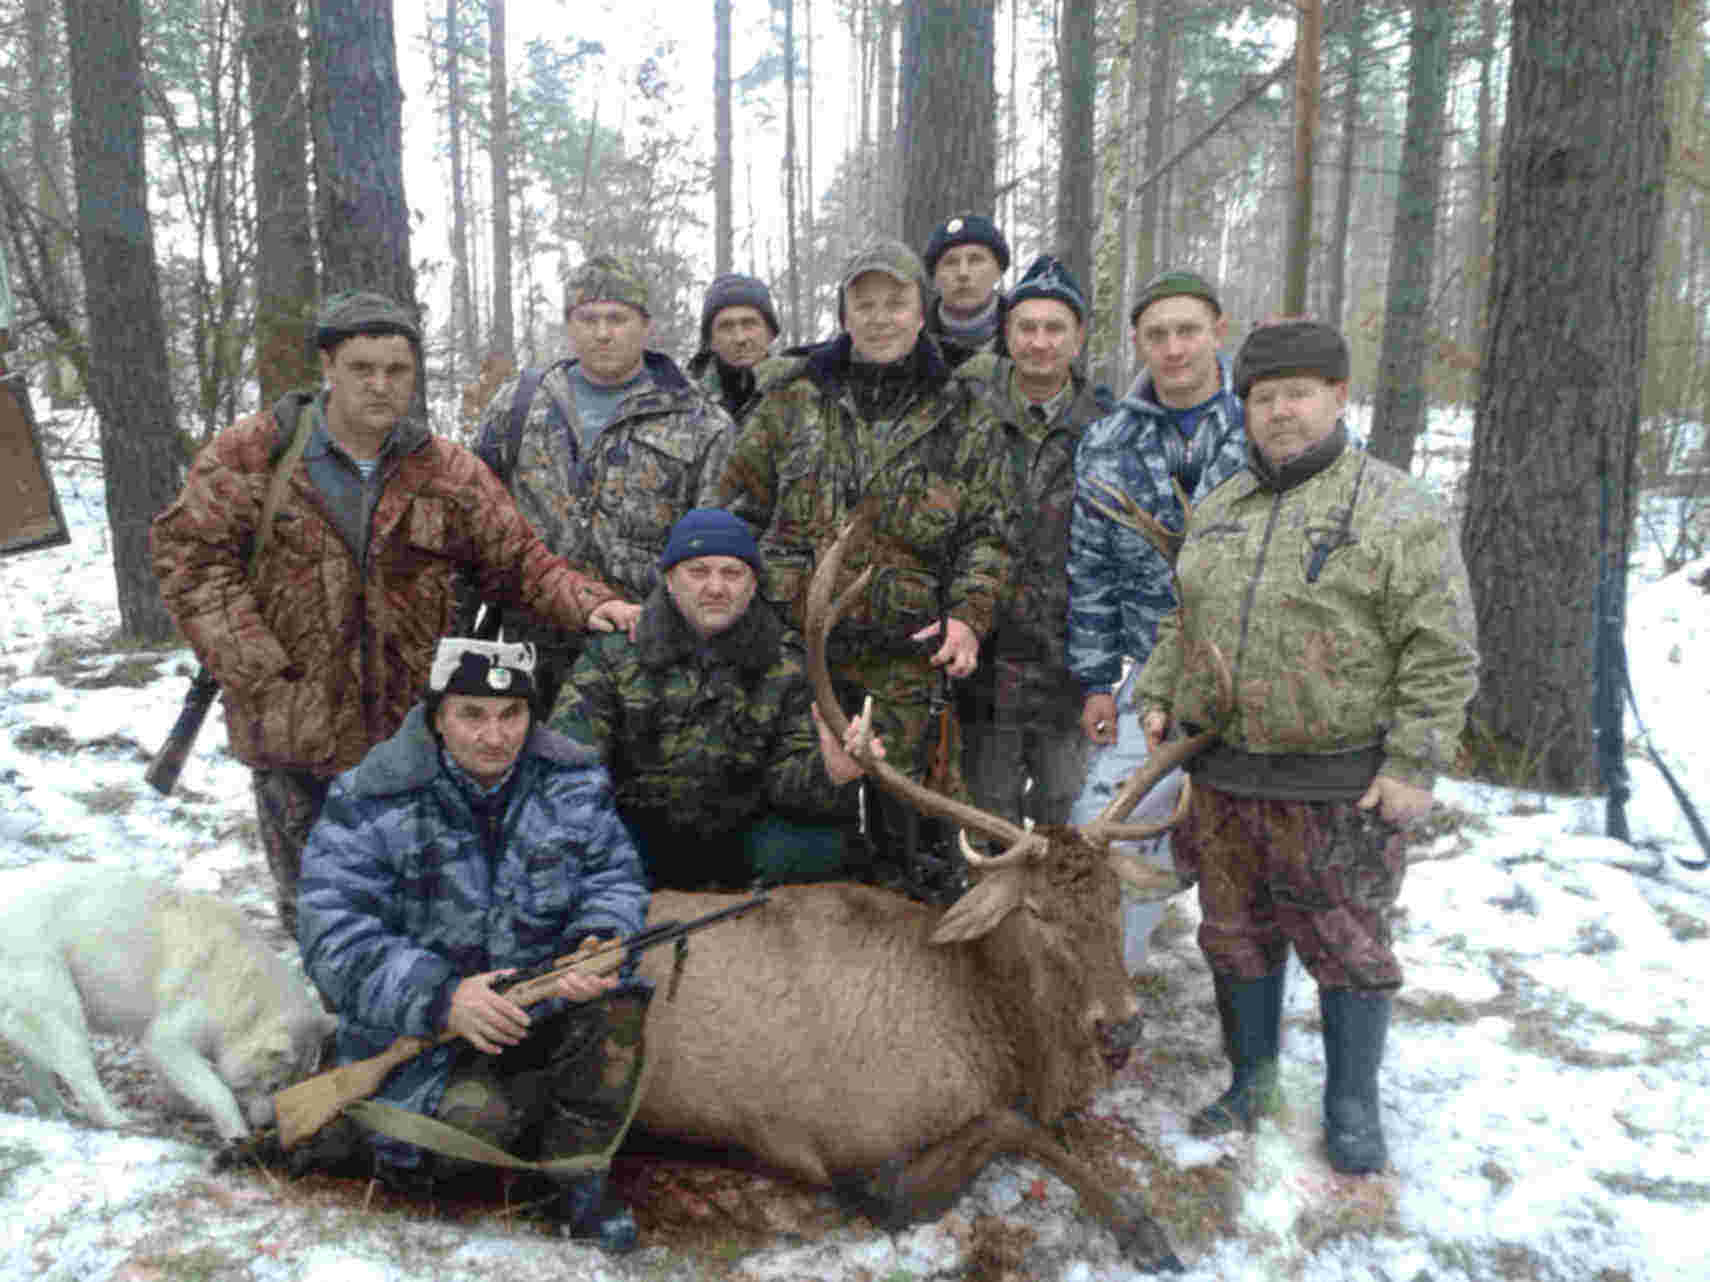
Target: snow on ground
(1545, 1088)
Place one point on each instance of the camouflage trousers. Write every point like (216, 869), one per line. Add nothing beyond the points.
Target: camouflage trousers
(566, 1092)
(1321, 875)
(287, 803)
(903, 689)
(1023, 722)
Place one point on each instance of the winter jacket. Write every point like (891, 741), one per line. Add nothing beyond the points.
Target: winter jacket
(1341, 604)
(932, 469)
(611, 506)
(322, 653)
(411, 884)
(705, 371)
(702, 738)
(1119, 584)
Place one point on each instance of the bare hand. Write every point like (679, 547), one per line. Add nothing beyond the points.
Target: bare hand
(842, 763)
(486, 1020)
(960, 653)
(584, 988)
(1399, 803)
(1156, 724)
(1098, 719)
(615, 616)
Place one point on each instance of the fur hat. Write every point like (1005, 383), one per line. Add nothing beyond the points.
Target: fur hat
(965, 229)
(1175, 283)
(736, 290)
(710, 531)
(605, 278)
(1291, 347)
(495, 669)
(1048, 278)
(353, 312)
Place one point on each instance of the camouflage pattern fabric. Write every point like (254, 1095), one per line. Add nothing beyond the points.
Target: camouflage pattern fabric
(1321, 875)
(1031, 729)
(703, 371)
(1344, 632)
(287, 803)
(606, 278)
(321, 655)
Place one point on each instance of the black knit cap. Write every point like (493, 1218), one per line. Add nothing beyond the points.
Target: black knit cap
(1175, 283)
(464, 665)
(356, 312)
(733, 289)
(1046, 277)
(1291, 347)
(965, 229)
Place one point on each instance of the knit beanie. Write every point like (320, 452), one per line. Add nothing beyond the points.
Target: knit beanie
(966, 229)
(1291, 347)
(1174, 284)
(1048, 278)
(354, 312)
(463, 665)
(710, 531)
(736, 290)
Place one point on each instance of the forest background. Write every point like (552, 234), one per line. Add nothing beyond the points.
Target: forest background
(1502, 203)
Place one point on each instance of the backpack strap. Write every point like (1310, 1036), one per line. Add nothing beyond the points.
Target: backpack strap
(279, 479)
(522, 400)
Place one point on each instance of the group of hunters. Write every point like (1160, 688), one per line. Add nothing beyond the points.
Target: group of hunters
(491, 698)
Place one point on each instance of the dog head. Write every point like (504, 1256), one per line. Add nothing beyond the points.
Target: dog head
(280, 1054)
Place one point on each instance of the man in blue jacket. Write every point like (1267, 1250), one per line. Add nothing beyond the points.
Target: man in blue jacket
(470, 844)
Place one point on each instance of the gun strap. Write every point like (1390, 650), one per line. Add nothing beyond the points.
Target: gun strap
(277, 482)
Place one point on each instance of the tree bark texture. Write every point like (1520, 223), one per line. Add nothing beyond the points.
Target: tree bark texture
(461, 348)
(504, 323)
(129, 380)
(1308, 42)
(1398, 412)
(1077, 163)
(1580, 187)
(724, 234)
(1337, 254)
(949, 113)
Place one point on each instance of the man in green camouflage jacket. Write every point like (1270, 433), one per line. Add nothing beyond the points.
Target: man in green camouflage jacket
(875, 417)
(611, 447)
(1333, 585)
(722, 769)
(738, 326)
(1021, 712)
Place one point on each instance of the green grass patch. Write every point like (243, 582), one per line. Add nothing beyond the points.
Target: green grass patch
(108, 799)
(1674, 1192)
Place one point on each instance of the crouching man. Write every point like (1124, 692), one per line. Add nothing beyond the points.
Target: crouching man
(467, 845)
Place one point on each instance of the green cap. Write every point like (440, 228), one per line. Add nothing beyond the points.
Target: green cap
(358, 311)
(1174, 284)
(891, 257)
(605, 278)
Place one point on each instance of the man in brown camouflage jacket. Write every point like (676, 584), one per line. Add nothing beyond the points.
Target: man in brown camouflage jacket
(1333, 585)
(322, 652)
(614, 446)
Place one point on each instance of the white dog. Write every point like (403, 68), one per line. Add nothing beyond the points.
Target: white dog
(218, 1013)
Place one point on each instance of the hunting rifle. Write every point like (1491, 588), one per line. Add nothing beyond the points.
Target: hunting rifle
(305, 1108)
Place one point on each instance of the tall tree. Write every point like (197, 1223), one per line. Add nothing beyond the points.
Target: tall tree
(128, 379)
(361, 216)
(1398, 415)
(724, 234)
(463, 342)
(1337, 253)
(1580, 191)
(1078, 166)
(948, 126)
(793, 295)
(47, 161)
(499, 142)
(1308, 39)
(1160, 95)
(284, 237)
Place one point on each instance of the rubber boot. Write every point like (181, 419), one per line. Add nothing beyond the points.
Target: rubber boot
(1355, 1025)
(1251, 1013)
(588, 1211)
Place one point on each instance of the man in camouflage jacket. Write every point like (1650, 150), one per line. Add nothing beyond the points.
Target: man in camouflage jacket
(738, 326)
(324, 649)
(1023, 719)
(705, 723)
(615, 446)
(1333, 586)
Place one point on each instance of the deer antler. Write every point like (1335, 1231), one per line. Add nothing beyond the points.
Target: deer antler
(1131, 515)
(822, 615)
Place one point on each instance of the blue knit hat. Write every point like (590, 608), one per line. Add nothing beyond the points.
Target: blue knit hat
(1048, 278)
(710, 531)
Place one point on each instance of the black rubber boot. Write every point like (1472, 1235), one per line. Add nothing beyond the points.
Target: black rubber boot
(589, 1211)
(1355, 1025)
(1251, 1012)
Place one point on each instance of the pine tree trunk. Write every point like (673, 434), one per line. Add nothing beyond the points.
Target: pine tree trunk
(1076, 169)
(1580, 190)
(504, 324)
(1309, 38)
(949, 113)
(724, 235)
(462, 334)
(1337, 306)
(129, 380)
(793, 295)
(1160, 98)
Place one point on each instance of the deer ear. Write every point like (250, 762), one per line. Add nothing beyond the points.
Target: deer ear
(980, 910)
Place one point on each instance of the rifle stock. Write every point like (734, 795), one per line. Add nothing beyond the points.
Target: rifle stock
(303, 1109)
(162, 773)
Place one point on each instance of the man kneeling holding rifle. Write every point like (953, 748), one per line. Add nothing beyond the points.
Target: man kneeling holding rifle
(468, 846)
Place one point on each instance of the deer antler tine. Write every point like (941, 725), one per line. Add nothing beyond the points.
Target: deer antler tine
(1134, 517)
(1018, 853)
(1141, 832)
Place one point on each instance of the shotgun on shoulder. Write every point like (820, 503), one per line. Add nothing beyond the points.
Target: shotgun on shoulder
(303, 1109)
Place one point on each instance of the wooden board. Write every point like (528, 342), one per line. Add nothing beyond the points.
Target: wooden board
(30, 515)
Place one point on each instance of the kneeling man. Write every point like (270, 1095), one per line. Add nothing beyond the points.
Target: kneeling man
(469, 844)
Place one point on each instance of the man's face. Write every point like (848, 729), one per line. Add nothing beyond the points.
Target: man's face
(711, 592)
(1288, 415)
(883, 316)
(483, 733)
(370, 379)
(1177, 339)
(608, 338)
(740, 336)
(965, 277)
(1044, 337)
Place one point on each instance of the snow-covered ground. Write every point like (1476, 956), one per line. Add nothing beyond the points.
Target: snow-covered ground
(1545, 1090)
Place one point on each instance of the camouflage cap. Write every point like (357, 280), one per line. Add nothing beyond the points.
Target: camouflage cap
(353, 312)
(1174, 284)
(891, 257)
(606, 278)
